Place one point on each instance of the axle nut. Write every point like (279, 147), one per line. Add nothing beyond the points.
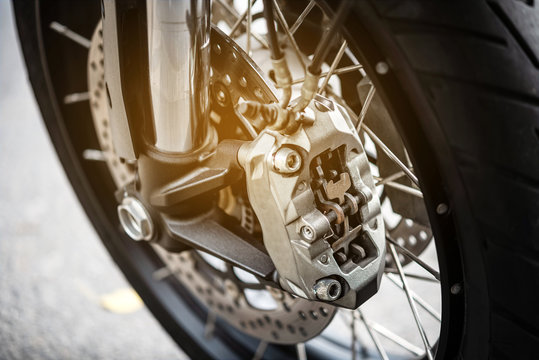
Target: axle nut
(327, 289)
(286, 161)
(135, 219)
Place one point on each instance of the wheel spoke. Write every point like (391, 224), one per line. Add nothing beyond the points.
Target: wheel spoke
(76, 97)
(420, 301)
(240, 20)
(395, 338)
(302, 16)
(373, 336)
(301, 351)
(333, 66)
(93, 155)
(404, 188)
(209, 328)
(340, 71)
(260, 350)
(393, 177)
(289, 35)
(365, 107)
(248, 30)
(413, 257)
(411, 302)
(389, 153)
(70, 34)
(412, 276)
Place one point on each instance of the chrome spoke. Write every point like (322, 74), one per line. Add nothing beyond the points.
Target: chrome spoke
(240, 20)
(302, 16)
(249, 22)
(76, 97)
(93, 155)
(209, 328)
(283, 23)
(354, 335)
(339, 71)
(373, 336)
(389, 153)
(301, 351)
(411, 302)
(260, 350)
(412, 276)
(414, 258)
(396, 339)
(333, 66)
(162, 273)
(366, 105)
(70, 34)
(404, 188)
(393, 177)
(420, 301)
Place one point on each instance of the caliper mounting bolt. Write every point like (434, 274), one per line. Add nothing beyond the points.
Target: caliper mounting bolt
(327, 289)
(286, 160)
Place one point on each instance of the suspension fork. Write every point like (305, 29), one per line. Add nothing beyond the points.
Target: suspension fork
(157, 67)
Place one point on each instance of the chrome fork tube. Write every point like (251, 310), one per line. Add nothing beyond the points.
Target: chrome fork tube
(179, 62)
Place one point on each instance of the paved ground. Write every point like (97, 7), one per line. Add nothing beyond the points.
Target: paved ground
(53, 268)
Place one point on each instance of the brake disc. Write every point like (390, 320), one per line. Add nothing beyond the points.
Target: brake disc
(265, 313)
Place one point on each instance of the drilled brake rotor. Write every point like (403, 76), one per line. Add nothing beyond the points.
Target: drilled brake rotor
(265, 313)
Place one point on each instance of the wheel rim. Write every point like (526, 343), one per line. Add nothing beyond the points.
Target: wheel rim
(249, 346)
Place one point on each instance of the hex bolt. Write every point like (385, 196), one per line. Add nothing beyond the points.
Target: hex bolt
(135, 219)
(307, 232)
(327, 289)
(286, 161)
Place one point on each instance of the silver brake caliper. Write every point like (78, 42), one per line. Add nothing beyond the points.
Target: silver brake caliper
(314, 196)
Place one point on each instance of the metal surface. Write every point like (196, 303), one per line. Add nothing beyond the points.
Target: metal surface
(121, 171)
(282, 210)
(179, 60)
(119, 125)
(243, 304)
(327, 289)
(202, 277)
(135, 219)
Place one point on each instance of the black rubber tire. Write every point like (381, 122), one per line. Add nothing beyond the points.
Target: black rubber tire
(469, 70)
(462, 86)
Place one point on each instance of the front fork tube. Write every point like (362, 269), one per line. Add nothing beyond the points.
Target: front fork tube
(157, 69)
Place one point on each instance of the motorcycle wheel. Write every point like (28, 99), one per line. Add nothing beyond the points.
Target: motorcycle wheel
(460, 83)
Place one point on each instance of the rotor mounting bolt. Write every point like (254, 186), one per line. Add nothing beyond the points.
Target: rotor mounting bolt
(327, 289)
(135, 219)
(287, 161)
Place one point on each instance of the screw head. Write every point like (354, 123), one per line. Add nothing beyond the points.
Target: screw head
(324, 259)
(382, 68)
(307, 232)
(287, 161)
(456, 288)
(442, 209)
(327, 289)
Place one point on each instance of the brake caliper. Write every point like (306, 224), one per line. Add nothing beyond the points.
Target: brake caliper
(314, 196)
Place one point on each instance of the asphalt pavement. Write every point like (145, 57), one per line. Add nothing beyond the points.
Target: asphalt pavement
(53, 269)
